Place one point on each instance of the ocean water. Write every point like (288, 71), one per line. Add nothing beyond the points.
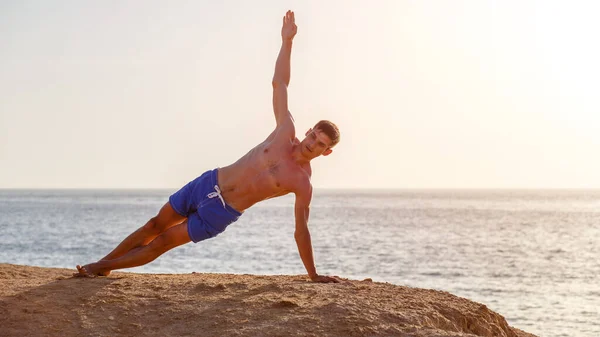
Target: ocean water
(532, 256)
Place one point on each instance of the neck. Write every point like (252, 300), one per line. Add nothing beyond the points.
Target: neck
(298, 157)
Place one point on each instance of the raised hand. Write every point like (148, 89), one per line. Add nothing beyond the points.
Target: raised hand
(289, 28)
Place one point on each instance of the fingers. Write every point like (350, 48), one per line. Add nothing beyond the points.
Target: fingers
(289, 17)
(329, 279)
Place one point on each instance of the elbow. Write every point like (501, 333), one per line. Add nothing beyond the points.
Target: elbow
(276, 83)
(300, 235)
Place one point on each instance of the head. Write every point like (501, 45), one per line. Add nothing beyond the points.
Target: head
(320, 139)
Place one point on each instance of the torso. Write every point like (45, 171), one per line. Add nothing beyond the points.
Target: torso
(267, 171)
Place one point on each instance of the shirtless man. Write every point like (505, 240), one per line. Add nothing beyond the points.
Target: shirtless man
(207, 205)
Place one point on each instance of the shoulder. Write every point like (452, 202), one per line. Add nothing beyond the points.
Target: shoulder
(308, 170)
(302, 186)
(285, 131)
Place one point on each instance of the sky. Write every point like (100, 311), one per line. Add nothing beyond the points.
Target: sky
(427, 94)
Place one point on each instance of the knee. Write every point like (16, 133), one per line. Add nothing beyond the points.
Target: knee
(152, 226)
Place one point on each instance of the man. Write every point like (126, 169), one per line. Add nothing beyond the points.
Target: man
(207, 205)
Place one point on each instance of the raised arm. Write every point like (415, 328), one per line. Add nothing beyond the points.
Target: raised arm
(302, 235)
(281, 78)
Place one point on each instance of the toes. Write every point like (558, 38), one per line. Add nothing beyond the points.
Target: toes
(79, 272)
(83, 272)
(87, 273)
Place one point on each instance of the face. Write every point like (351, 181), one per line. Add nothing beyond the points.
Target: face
(315, 144)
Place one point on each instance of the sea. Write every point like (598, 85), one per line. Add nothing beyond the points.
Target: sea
(531, 255)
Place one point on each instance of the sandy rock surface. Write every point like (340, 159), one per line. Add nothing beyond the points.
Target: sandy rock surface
(38, 301)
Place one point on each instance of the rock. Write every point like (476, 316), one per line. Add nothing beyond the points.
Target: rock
(231, 305)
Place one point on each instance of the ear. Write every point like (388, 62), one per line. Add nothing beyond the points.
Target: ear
(327, 152)
(307, 132)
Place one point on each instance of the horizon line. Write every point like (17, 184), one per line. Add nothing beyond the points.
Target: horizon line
(315, 187)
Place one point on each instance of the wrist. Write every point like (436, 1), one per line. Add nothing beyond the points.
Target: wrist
(313, 276)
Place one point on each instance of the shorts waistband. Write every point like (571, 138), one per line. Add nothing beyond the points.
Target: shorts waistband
(214, 177)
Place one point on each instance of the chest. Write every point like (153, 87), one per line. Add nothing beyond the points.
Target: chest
(277, 166)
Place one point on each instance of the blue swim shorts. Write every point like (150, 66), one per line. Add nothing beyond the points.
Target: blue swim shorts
(201, 202)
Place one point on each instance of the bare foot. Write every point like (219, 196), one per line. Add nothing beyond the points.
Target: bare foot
(83, 272)
(104, 273)
(89, 270)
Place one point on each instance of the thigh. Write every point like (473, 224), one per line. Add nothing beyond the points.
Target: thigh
(167, 217)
